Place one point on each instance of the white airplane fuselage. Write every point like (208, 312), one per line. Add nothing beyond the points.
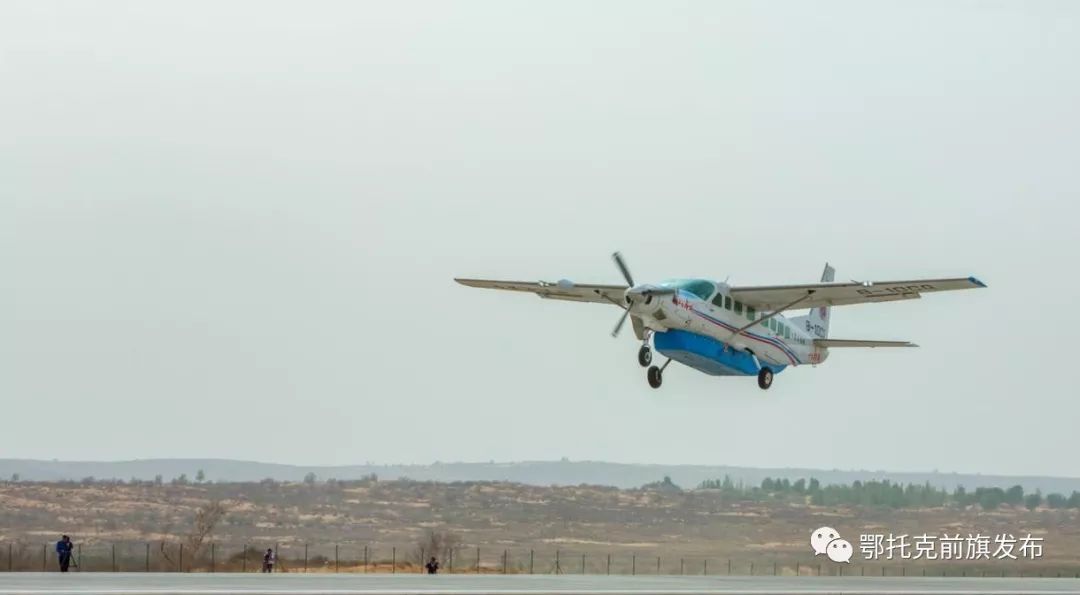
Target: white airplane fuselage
(700, 328)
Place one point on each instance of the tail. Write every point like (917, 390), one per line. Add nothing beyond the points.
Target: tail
(819, 317)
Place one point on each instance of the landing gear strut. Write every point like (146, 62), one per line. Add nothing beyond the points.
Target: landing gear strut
(655, 375)
(764, 378)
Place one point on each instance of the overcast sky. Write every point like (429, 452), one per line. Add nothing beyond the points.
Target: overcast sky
(229, 229)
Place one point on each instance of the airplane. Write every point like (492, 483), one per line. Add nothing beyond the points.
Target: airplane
(725, 330)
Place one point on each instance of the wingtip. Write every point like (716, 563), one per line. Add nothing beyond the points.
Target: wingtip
(976, 282)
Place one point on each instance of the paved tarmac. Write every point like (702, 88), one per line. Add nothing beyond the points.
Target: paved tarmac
(459, 584)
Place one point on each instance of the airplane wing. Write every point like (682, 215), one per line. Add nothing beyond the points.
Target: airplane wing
(844, 294)
(563, 290)
(860, 343)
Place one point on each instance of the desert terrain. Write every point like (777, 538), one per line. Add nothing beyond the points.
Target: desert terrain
(660, 527)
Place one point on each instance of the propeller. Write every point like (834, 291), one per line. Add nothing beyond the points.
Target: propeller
(622, 268)
(629, 281)
(622, 320)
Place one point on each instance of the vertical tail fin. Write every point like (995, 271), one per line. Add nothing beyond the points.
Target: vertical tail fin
(819, 317)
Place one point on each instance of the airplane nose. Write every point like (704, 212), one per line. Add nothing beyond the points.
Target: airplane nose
(638, 296)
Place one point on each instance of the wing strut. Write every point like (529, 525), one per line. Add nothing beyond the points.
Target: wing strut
(772, 314)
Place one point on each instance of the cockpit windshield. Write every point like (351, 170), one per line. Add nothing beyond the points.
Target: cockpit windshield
(699, 287)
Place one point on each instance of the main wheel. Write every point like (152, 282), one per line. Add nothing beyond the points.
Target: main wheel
(644, 356)
(764, 378)
(654, 376)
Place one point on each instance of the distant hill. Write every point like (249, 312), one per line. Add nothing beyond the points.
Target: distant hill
(542, 473)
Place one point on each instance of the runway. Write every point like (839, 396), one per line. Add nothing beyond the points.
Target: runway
(345, 584)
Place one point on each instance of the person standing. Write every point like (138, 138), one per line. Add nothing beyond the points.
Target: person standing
(63, 552)
(432, 566)
(268, 560)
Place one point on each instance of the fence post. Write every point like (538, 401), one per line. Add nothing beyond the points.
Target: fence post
(774, 568)
(335, 557)
(582, 563)
(682, 566)
(633, 565)
(181, 557)
(305, 557)
(243, 564)
(751, 569)
(451, 565)
(393, 560)
(557, 569)
(530, 561)
(213, 557)
(79, 562)
(729, 566)
(365, 559)
(797, 573)
(9, 557)
(609, 563)
(44, 556)
(658, 565)
(506, 558)
(478, 560)
(705, 568)
(114, 557)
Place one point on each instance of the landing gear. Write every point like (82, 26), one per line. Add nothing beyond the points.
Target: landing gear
(764, 378)
(644, 356)
(655, 375)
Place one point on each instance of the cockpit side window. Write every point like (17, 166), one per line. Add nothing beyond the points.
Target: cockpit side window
(701, 289)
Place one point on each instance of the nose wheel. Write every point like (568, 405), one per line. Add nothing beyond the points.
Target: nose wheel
(644, 356)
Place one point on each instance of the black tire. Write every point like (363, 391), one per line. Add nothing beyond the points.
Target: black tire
(644, 356)
(654, 377)
(764, 378)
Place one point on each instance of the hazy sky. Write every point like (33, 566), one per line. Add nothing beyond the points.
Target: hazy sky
(229, 229)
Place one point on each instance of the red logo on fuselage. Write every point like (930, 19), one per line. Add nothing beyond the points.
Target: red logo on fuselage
(684, 304)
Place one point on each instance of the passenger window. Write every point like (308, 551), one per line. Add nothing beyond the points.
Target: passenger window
(751, 314)
(727, 302)
(718, 301)
(738, 307)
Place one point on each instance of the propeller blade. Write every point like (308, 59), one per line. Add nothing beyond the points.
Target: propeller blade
(618, 327)
(622, 267)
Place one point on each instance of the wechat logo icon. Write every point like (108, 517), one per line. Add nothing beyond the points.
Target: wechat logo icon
(826, 540)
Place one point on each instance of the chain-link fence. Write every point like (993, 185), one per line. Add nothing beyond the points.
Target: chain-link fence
(359, 558)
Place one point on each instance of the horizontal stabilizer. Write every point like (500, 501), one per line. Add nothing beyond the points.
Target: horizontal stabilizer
(859, 343)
